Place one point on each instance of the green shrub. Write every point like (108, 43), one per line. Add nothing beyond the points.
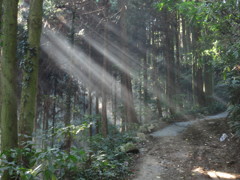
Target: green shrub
(102, 160)
(234, 118)
(234, 108)
(216, 107)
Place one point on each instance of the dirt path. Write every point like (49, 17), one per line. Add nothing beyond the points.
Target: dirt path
(178, 127)
(190, 152)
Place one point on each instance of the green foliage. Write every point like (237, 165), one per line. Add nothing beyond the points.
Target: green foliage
(108, 161)
(169, 4)
(49, 8)
(234, 89)
(103, 159)
(234, 119)
(234, 109)
(213, 108)
(51, 163)
(196, 112)
(219, 22)
(72, 129)
(191, 10)
(222, 20)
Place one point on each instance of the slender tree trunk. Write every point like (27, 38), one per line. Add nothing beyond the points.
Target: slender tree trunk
(84, 100)
(67, 119)
(45, 122)
(189, 57)
(90, 111)
(9, 131)
(104, 128)
(90, 90)
(208, 81)
(140, 98)
(0, 92)
(195, 37)
(187, 45)
(124, 97)
(145, 85)
(184, 37)
(54, 111)
(104, 123)
(157, 89)
(197, 69)
(43, 125)
(129, 113)
(115, 99)
(200, 94)
(97, 114)
(69, 93)
(177, 40)
(0, 61)
(30, 77)
(170, 61)
(194, 81)
(155, 75)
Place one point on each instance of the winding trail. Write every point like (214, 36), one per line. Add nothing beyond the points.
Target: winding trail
(178, 127)
(171, 157)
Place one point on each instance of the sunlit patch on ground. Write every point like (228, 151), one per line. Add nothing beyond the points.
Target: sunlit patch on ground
(216, 174)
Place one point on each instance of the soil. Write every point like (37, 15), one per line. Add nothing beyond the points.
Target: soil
(196, 153)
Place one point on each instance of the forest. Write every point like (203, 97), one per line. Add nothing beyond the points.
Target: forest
(87, 86)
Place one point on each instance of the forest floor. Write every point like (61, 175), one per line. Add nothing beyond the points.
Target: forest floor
(190, 151)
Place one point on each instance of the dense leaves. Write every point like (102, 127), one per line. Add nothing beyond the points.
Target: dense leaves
(102, 160)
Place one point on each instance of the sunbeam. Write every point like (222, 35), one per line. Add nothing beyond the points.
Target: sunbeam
(78, 65)
(216, 174)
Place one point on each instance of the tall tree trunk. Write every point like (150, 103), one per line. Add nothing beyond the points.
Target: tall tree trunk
(200, 95)
(184, 36)
(9, 131)
(169, 60)
(69, 93)
(140, 97)
(197, 69)
(90, 111)
(114, 101)
(208, 81)
(186, 47)
(155, 74)
(123, 98)
(0, 90)
(90, 8)
(129, 112)
(195, 37)
(177, 41)
(54, 110)
(30, 76)
(0, 61)
(97, 113)
(45, 122)
(157, 88)
(90, 90)
(67, 118)
(194, 80)
(84, 100)
(104, 123)
(145, 85)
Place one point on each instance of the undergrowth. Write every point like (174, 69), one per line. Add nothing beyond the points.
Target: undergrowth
(102, 160)
(234, 108)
